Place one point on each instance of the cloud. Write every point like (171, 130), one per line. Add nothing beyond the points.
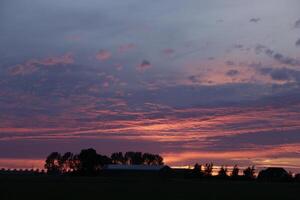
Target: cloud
(145, 65)
(238, 46)
(73, 38)
(168, 51)
(277, 56)
(297, 24)
(229, 62)
(126, 47)
(286, 60)
(103, 55)
(255, 20)
(297, 42)
(281, 74)
(194, 79)
(119, 66)
(33, 65)
(232, 72)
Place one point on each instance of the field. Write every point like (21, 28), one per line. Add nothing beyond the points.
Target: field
(85, 188)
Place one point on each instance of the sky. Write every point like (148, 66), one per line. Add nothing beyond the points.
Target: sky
(192, 80)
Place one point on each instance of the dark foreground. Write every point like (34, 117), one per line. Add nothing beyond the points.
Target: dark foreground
(31, 187)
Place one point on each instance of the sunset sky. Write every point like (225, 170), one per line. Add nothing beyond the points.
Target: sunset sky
(192, 80)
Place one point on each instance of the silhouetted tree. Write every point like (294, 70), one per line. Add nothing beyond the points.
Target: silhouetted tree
(75, 164)
(52, 163)
(249, 172)
(66, 162)
(197, 171)
(134, 158)
(197, 167)
(89, 162)
(222, 172)
(117, 158)
(208, 169)
(148, 159)
(158, 160)
(104, 160)
(235, 172)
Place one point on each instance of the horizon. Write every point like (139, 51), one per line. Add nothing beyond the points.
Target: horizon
(195, 81)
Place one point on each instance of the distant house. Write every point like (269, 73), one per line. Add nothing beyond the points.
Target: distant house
(137, 170)
(273, 174)
(149, 168)
(297, 177)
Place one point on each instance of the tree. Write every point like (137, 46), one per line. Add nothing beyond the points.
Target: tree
(89, 162)
(158, 160)
(104, 160)
(197, 171)
(208, 169)
(134, 158)
(249, 172)
(148, 159)
(66, 162)
(197, 167)
(117, 158)
(235, 172)
(223, 172)
(52, 163)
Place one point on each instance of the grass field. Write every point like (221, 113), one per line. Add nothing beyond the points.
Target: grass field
(85, 188)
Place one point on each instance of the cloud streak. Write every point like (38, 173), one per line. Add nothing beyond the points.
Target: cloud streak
(33, 65)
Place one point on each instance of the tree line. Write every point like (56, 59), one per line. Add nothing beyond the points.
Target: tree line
(89, 162)
(207, 171)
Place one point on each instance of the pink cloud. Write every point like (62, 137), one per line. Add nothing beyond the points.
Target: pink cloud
(168, 51)
(65, 59)
(144, 65)
(119, 66)
(73, 38)
(33, 65)
(103, 55)
(126, 47)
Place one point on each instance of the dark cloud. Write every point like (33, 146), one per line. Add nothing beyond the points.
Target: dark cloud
(281, 74)
(238, 46)
(277, 56)
(194, 79)
(297, 24)
(261, 138)
(145, 64)
(229, 62)
(255, 20)
(232, 72)
(297, 42)
(286, 60)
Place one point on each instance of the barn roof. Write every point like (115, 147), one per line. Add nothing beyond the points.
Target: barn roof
(135, 167)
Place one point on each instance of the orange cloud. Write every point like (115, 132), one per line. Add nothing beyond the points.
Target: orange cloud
(255, 155)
